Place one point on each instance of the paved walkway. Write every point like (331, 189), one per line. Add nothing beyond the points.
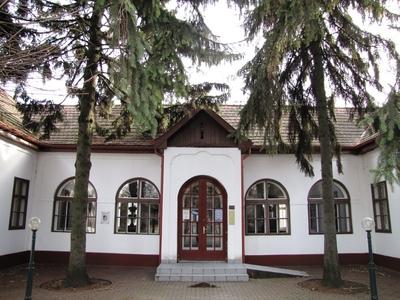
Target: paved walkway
(138, 283)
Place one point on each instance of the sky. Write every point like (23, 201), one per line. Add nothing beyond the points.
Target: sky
(224, 22)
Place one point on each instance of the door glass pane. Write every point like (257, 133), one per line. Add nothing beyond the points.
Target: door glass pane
(217, 202)
(186, 227)
(195, 189)
(194, 228)
(218, 243)
(209, 202)
(186, 201)
(218, 228)
(210, 189)
(186, 242)
(195, 201)
(210, 242)
(195, 242)
(209, 229)
(210, 215)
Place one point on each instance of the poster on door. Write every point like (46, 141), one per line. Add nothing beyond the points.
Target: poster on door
(218, 215)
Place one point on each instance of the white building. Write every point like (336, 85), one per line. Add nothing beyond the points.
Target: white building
(190, 194)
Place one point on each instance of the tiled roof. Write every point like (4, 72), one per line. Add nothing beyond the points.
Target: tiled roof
(348, 133)
(11, 118)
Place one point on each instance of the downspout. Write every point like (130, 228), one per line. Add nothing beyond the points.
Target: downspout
(243, 157)
(161, 154)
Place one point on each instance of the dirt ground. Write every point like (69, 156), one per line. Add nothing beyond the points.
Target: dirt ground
(138, 283)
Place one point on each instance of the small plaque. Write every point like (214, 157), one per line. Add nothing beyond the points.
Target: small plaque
(231, 216)
(186, 214)
(219, 215)
(105, 217)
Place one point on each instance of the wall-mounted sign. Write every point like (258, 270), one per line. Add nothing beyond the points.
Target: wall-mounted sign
(105, 217)
(231, 215)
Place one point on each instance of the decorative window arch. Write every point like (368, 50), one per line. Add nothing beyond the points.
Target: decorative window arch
(137, 207)
(342, 208)
(62, 207)
(267, 208)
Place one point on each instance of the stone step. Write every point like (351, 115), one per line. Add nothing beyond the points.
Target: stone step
(201, 272)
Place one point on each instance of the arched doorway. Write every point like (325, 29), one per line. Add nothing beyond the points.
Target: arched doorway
(202, 220)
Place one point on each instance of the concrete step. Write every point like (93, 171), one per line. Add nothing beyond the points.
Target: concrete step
(201, 272)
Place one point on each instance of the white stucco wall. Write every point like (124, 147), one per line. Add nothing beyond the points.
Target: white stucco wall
(181, 164)
(15, 161)
(384, 243)
(108, 173)
(284, 169)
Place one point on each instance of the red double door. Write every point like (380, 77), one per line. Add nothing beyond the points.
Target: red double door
(202, 225)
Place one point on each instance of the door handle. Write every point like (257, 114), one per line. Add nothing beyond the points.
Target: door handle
(204, 229)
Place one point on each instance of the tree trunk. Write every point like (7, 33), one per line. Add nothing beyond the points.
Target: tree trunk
(331, 274)
(77, 273)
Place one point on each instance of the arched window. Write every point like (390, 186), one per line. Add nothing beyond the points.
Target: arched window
(267, 208)
(342, 208)
(62, 207)
(137, 207)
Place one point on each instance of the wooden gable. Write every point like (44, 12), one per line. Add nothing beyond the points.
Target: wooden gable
(203, 129)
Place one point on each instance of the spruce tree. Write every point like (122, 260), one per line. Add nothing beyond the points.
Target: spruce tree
(309, 46)
(130, 50)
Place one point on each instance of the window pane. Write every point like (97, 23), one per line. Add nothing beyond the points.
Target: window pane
(316, 190)
(91, 191)
(144, 225)
(130, 190)
(154, 210)
(251, 226)
(144, 210)
(148, 190)
(382, 190)
(283, 226)
(272, 226)
(260, 211)
(272, 211)
(154, 226)
(14, 219)
(260, 226)
(274, 191)
(250, 211)
(24, 188)
(67, 190)
(338, 192)
(257, 191)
